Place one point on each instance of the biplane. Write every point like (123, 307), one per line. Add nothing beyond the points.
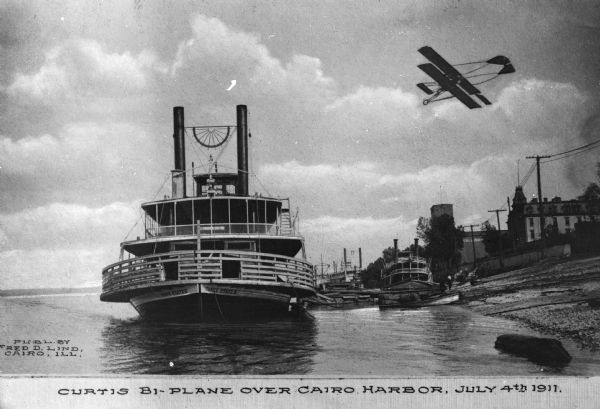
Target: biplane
(448, 79)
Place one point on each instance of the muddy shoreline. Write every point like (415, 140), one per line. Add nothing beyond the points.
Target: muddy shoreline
(557, 297)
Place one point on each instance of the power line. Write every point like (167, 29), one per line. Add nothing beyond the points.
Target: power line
(576, 149)
(573, 153)
(527, 175)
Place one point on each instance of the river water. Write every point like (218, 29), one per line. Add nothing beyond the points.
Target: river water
(78, 334)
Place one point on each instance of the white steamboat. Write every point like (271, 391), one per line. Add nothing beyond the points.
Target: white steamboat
(220, 254)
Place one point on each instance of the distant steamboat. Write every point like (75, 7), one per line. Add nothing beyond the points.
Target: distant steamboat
(220, 254)
(406, 281)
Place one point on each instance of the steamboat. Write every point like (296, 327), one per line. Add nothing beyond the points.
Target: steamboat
(407, 281)
(218, 254)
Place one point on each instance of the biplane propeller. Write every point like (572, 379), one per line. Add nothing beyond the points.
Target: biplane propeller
(448, 79)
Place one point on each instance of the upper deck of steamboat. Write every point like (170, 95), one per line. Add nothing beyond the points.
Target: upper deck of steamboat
(407, 268)
(220, 213)
(220, 222)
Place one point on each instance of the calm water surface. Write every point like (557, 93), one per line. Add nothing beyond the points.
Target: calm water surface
(110, 339)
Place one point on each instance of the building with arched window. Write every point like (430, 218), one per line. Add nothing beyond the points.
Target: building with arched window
(526, 218)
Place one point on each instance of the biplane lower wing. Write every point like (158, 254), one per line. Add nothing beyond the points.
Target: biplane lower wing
(483, 99)
(424, 88)
(447, 85)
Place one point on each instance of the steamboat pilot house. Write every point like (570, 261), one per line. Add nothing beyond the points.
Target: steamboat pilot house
(218, 254)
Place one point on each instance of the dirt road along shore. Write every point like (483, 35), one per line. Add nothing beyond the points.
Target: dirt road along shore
(559, 297)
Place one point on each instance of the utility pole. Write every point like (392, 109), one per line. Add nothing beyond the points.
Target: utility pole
(473, 243)
(511, 232)
(497, 211)
(541, 206)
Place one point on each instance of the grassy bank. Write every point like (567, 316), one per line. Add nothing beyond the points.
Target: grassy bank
(558, 297)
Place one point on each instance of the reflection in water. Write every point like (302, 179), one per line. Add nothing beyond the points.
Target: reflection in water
(279, 347)
(435, 341)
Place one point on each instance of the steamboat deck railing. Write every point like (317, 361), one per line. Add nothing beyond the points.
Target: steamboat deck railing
(220, 228)
(204, 266)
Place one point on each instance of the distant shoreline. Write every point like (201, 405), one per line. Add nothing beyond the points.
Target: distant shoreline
(20, 292)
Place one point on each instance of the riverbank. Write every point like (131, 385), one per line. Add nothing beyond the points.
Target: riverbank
(558, 297)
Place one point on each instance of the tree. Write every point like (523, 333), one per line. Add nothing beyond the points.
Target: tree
(371, 276)
(422, 228)
(388, 255)
(443, 242)
(411, 249)
(490, 238)
(591, 193)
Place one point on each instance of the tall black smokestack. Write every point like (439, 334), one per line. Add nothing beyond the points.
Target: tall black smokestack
(395, 250)
(179, 188)
(242, 150)
(359, 258)
(416, 247)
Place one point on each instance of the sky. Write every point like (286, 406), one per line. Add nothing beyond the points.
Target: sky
(337, 123)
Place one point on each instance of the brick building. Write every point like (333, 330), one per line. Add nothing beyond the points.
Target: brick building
(524, 218)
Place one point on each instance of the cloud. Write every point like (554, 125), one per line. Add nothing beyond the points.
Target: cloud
(81, 68)
(216, 54)
(67, 225)
(543, 109)
(329, 235)
(365, 186)
(56, 268)
(84, 161)
(385, 108)
(62, 244)
(351, 227)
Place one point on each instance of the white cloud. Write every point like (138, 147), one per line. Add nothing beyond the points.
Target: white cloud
(527, 114)
(67, 225)
(374, 114)
(346, 181)
(328, 235)
(351, 226)
(81, 68)
(217, 54)
(55, 268)
(62, 244)
(372, 189)
(85, 160)
(378, 102)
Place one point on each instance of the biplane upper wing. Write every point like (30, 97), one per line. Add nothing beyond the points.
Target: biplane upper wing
(447, 68)
(449, 85)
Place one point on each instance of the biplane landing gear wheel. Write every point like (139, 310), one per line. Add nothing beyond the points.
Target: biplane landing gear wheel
(211, 136)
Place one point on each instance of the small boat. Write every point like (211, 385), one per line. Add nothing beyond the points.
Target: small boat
(217, 254)
(441, 299)
(344, 299)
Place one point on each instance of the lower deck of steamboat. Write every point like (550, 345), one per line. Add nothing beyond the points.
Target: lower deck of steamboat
(215, 300)
(217, 304)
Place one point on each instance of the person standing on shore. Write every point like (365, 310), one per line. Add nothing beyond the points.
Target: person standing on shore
(449, 282)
